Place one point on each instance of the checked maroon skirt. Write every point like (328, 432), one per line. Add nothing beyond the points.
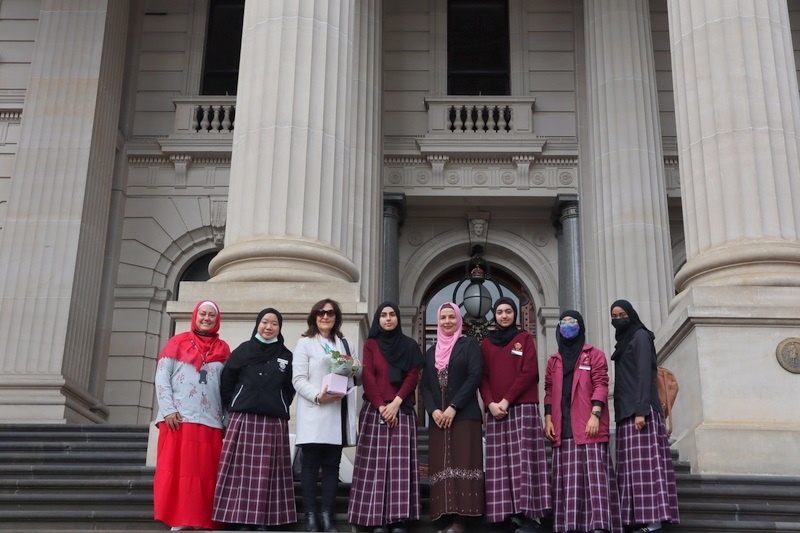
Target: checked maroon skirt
(645, 474)
(585, 494)
(517, 478)
(385, 485)
(254, 485)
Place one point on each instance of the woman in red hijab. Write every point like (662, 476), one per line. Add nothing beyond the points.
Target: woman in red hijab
(189, 422)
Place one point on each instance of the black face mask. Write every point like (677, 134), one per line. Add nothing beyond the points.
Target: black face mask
(621, 323)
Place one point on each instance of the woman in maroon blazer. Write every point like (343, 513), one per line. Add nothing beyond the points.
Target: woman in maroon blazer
(385, 490)
(576, 421)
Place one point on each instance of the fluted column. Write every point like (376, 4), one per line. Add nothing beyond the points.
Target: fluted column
(53, 241)
(291, 205)
(737, 111)
(392, 213)
(737, 136)
(367, 134)
(628, 204)
(570, 293)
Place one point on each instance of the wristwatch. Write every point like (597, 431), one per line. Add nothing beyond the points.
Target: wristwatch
(597, 413)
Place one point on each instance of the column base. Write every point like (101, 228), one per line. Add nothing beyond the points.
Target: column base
(46, 399)
(291, 259)
(736, 410)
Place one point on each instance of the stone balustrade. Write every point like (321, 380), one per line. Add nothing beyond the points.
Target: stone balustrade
(204, 114)
(480, 114)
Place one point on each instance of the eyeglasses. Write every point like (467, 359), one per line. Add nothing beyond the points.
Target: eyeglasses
(323, 312)
(568, 321)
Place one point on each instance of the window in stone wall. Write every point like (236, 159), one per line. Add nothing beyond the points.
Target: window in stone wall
(478, 48)
(223, 46)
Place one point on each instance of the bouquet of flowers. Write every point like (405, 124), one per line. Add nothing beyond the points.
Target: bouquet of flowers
(342, 364)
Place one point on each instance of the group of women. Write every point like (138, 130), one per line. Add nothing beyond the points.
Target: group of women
(244, 479)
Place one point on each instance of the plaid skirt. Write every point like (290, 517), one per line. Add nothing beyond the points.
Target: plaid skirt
(585, 494)
(254, 485)
(517, 479)
(186, 470)
(645, 474)
(385, 485)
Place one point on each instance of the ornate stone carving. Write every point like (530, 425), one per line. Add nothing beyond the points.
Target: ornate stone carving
(423, 177)
(788, 354)
(539, 178)
(508, 178)
(565, 178)
(480, 178)
(540, 239)
(415, 238)
(395, 177)
(453, 178)
(219, 217)
(181, 162)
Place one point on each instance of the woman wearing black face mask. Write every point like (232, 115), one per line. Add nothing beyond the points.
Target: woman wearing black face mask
(576, 421)
(645, 474)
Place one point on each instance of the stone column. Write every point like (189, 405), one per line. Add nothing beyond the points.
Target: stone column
(626, 208)
(738, 113)
(392, 218)
(290, 216)
(304, 207)
(54, 238)
(565, 215)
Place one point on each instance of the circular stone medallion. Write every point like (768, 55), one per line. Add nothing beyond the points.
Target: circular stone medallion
(788, 354)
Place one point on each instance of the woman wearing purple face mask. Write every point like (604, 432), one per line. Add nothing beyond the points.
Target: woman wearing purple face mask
(576, 421)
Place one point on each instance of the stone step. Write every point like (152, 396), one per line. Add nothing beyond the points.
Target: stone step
(75, 471)
(67, 457)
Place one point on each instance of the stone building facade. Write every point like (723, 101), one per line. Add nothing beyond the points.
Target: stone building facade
(630, 149)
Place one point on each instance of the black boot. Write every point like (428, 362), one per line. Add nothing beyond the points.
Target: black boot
(311, 522)
(327, 522)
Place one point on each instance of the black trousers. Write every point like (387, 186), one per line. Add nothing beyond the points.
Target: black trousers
(316, 457)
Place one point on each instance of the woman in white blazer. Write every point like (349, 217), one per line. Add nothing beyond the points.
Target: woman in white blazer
(325, 422)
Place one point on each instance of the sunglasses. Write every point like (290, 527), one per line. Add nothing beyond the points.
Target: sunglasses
(328, 312)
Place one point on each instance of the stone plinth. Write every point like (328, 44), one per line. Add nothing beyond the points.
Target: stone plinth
(734, 412)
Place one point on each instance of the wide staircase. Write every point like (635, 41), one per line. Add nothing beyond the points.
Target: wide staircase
(94, 478)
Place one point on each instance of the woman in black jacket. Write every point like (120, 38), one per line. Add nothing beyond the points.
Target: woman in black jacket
(645, 475)
(254, 485)
(453, 370)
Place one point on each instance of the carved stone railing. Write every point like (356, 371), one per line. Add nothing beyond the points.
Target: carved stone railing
(480, 124)
(205, 114)
(203, 126)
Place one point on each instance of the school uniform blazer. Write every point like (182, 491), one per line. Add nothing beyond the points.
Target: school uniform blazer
(589, 383)
(319, 424)
(463, 379)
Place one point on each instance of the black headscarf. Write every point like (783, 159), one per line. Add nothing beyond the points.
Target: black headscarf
(258, 351)
(502, 336)
(401, 352)
(570, 349)
(624, 335)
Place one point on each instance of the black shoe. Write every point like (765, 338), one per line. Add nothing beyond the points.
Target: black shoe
(380, 529)
(311, 522)
(600, 531)
(530, 526)
(327, 522)
(397, 527)
(498, 527)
